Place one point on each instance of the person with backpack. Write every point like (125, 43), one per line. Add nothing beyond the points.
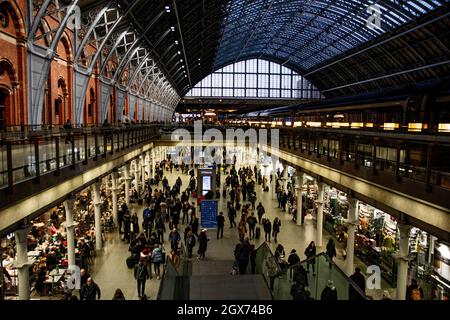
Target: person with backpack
(157, 258)
(310, 252)
(141, 275)
(190, 243)
(220, 224)
(276, 228)
(331, 251)
(414, 291)
(360, 281)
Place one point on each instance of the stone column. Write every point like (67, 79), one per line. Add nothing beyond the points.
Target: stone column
(136, 174)
(144, 165)
(127, 180)
(320, 202)
(285, 177)
(403, 258)
(298, 192)
(273, 186)
(114, 191)
(352, 222)
(70, 226)
(22, 263)
(97, 203)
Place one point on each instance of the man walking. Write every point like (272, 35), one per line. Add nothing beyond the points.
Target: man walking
(220, 224)
(141, 275)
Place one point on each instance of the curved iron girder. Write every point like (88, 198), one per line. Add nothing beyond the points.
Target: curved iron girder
(88, 34)
(39, 70)
(147, 75)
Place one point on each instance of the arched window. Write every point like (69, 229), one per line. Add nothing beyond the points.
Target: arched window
(255, 78)
(4, 96)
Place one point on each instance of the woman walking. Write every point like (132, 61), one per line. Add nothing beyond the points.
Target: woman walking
(310, 252)
(276, 228)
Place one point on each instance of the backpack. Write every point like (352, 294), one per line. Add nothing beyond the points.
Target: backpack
(415, 294)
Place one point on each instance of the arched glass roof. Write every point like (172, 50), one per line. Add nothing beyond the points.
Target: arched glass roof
(306, 33)
(255, 78)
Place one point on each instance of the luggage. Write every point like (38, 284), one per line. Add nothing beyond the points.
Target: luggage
(257, 233)
(131, 262)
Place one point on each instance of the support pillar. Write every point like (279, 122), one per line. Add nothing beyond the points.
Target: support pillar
(70, 226)
(298, 192)
(273, 186)
(97, 203)
(114, 191)
(136, 174)
(402, 261)
(352, 222)
(22, 263)
(144, 165)
(320, 202)
(127, 179)
(285, 177)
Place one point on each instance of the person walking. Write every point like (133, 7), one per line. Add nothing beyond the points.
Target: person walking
(329, 293)
(190, 243)
(276, 228)
(360, 281)
(251, 221)
(260, 212)
(232, 215)
(267, 229)
(331, 251)
(160, 227)
(157, 258)
(195, 226)
(90, 291)
(141, 275)
(293, 259)
(242, 229)
(310, 252)
(243, 256)
(220, 224)
(202, 244)
(174, 238)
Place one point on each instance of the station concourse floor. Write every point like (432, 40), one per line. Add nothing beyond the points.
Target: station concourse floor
(110, 272)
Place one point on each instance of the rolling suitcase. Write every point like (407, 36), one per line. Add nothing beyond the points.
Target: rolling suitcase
(130, 262)
(258, 233)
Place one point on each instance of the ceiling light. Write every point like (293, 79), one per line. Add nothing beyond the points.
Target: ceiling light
(176, 41)
(167, 8)
(182, 67)
(172, 28)
(179, 52)
(181, 60)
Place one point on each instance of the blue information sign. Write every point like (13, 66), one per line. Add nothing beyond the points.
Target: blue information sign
(209, 210)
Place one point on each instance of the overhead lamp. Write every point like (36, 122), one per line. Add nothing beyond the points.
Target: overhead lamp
(181, 60)
(172, 28)
(167, 8)
(182, 67)
(176, 41)
(179, 52)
